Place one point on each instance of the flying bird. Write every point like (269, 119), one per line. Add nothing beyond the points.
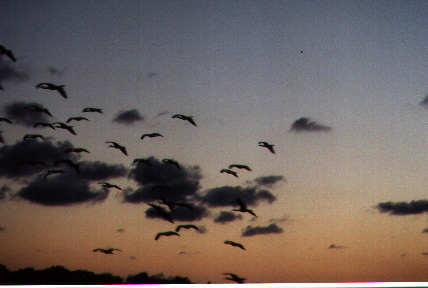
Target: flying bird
(235, 244)
(53, 171)
(184, 117)
(76, 150)
(106, 251)
(168, 233)
(187, 226)
(243, 207)
(7, 52)
(65, 126)
(3, 119)
(50, 86)
(268, 146)
(33, 136)
(170, 161)
(151, 135)
(99, 110)
(76, 119)
(234, 278)
(239, 166)
(108, 185)
(161, 212)
(70, 163)
(117, 146)
(229, 172)
(40, 109)
(142, 161)
(44, 125)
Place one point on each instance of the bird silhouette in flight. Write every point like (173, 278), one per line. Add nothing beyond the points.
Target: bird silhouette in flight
(172, 162)
(184, 117)
(7, 52)
(50, 86)
(172, 204)
(106, 251)
(229, 172)
(65, 126)
(76, 119)
(168, 233)
(44, 125)
(33, 136)
(234, 278)
(76, 150)
(117, 146)
(89, 109)
(235, 244)
(162, 212)
(151, 135)
(35, 108)
(268, 146)
(243, 207)
(239, 166)
(108, 185)
(186, 226)
(3, 119)
(53, 171)
(142, 161)
(70, 163)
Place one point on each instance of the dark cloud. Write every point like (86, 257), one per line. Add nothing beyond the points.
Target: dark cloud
(271, 229)
(55, 71)
(151, 75)
(2, 228)
(182, 214)
(306, 125)
(269, 181)
(227, 216)
(5, 190)
(226, 196)
(10, 73)
(20, 113)
(334, 246)
(403, 208)
(425, 230)
(120, 230)
(128, 117)
(424, 102)
(101, 171)
(282, 219)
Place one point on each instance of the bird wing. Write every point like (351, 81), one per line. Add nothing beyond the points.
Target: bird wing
(241, 203)
(270, 147)
(190, 119)
(62, 92)
(123, 149)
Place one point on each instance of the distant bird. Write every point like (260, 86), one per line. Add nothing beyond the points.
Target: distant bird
(35, 108)
(243, 207)
(234, 278)
(76, 119)
(99, 110)
(172, 204)
(184, 117)
(151, 135)
(3, 119)
(235, 244)
(53, 171)
(50, 86)
(229, 172)
(108, 185)
(268, 146)
(239, 166)
(33, 136)
(65, 126)
(44, 125)
(117, 146)
(172, 162)
(106, 251)
(162, 212)
(70, 163)
(188, 226)
(7, 52)
(142, 161)
(76, 150)
(168, 233)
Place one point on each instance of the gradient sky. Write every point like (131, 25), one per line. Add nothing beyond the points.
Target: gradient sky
(246, 71)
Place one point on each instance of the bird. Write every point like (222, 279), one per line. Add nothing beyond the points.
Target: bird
(7, 52)
(268, 146)
(70, 163)
(117, 146)
(3, 119)
(229, 172)
(243, 207)
(76, 150)
(170, 161)
(44, 125)
(108, 185)
(151, 135)
(65, 126)
(184, 117)
(161, 212)
(187, 226)
(50, 86)
(235, 244)
(40, 109)
(172, 204)
(142, 161)
(239, 166)
(89, 109)
(235, 278)
(168, 233)
(53, 171)
(76, 119)
(106, 251)
(33, 136)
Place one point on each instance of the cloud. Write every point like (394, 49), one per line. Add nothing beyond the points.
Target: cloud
(128, 117)
(151, 75)
(20, 113)
(425, 230)
(306, 125)
(334, 246)
(180, 213)
(226, 196)
(120, 230)
(101, 171)
(163, 113)
(424, 102)
(404, 208)
(55, 71)
(5, 190)
(2, 228)
(271, 229)
(269, 181)
(282, 219)
(226, 216)
(9, 72)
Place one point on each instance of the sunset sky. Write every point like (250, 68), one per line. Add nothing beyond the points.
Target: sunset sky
(338, 87)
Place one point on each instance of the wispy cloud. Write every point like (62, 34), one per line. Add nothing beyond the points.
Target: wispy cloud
(334, 246)
(5, 190)
(10, 73)
(403, 208)
(269, 181)
(261, 230)
(227, 216)
(128, 117)
(22, 113)
(55, 71)
(306, 125)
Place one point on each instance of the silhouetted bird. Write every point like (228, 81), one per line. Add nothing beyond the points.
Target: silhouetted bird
(33, 136)
(151, 135)
(108, 185)
(239, 166)
(172, 204)
(76, 150)
(235, 244)
(172, 162)
(187, 226)
(117, 146)
(168, 233)
(7, 52)
(70, 163)
(99, 110)
(65, 126)
(76, 119)
(268, 146)
(142, 161)
(243, 207)
(106, 251)
(35, 108)
(3, 119)
(184, 117)
(53, 171)
(161, 212)
(44, 125)
(50, 86)
(234, 278)
(229, 172)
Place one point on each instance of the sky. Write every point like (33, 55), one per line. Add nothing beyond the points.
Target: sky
(338, 87)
